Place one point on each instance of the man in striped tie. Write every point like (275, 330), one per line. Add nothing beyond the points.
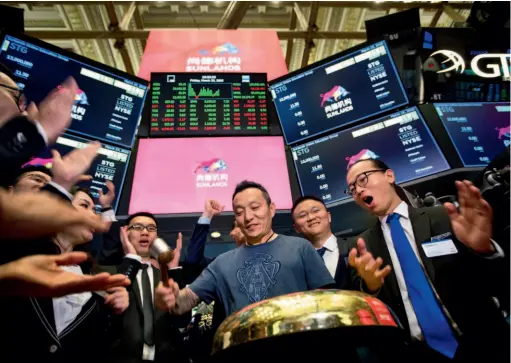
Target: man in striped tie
(437, 268)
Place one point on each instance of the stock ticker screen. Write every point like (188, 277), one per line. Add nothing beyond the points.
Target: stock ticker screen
(108, 105)
(208, 104)
(110, 164)
(479, 131)
(402, 140)
(345, 89)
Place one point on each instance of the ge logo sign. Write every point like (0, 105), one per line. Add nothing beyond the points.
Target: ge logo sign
(458, 63)
(499, 68)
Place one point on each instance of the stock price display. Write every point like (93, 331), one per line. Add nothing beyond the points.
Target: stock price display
(402, 140)
(479, 131)
(207, 104)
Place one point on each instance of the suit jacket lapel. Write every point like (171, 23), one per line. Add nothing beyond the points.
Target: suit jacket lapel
(421, 225)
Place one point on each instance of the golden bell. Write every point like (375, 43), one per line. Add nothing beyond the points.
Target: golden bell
(357, 316)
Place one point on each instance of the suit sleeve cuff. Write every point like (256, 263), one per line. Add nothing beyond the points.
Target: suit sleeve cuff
(176, 268)
(134, 257)
(499, 253)
(204, 220)
(62, 190)
(109, 215)
(41, 132)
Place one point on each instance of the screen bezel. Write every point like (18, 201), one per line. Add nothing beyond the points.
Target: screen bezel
(92, 63)
(364, 124)
(239, 133)
(451, 140)
(328, 60)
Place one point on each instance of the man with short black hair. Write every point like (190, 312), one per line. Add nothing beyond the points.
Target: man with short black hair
(31, 178)
(312, 219)
(266, 266)
(437, 268)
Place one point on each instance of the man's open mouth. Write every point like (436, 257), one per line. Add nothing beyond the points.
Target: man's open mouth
(368, 200)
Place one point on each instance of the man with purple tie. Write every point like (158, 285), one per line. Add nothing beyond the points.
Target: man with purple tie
(437, 268)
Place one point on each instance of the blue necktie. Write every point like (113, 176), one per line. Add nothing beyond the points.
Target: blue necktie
(321, 251)
(435, 327)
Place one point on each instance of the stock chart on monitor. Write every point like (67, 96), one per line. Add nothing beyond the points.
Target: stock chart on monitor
(208, 104)
(340, 90)
(479, 131)
(402, 140)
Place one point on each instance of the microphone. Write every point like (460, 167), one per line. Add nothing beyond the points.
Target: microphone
(161, 251)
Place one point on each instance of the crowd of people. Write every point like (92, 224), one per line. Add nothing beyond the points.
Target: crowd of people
(436, 268)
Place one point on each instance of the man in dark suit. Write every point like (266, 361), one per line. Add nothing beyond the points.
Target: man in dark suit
(312, 219)
(441, 268)
(147, 334)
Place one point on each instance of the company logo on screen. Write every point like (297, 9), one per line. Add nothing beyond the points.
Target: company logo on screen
(218, 58)
(77, 111)
(211, 174)
(336, 103)
(364, 154)
(504, 132)
(81, 98)
(40, 161)
(458, 63)
(499, 66)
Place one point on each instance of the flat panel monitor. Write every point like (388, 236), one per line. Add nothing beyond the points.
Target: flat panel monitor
(110, 164)
(177, 175)
(109, 102)
(402, 140)
(187, 104)
(479, 131)
(338, 91)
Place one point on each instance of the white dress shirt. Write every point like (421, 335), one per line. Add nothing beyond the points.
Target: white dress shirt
(67, 308)
(149, 350)
(331, 256)
(402, 210)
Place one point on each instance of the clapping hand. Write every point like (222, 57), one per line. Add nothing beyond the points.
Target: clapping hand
(127, 246)
(367, 267)
(177, 252)
(106, 200)
(472, 225)
(118, 299)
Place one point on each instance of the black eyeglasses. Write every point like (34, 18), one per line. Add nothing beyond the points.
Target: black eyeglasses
(19, 97)
(140, 227)
(361, 181)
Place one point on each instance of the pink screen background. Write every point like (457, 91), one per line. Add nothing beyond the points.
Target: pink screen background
(165, 180)
(171, 51)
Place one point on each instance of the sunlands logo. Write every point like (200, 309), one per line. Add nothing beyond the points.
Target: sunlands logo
(364, 154)
(504, 134)
(223, 49)
(81, 98)
(334, 95)
(211, 174)
(40, 162)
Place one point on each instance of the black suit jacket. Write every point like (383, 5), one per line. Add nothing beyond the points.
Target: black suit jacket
(464, 282)
(128, 346)
(343, 272)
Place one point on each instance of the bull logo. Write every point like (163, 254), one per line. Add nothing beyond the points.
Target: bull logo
(504, 132)
(258, 276)
(211, 166)
(334, 95)
(364, 154)
(458, 63)
(39, 161)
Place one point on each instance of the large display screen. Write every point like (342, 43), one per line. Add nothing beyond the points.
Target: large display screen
(402, 140)
(178, 175)
(110, 164)
(208, 104)
(344, 89)
(479, 131)
(109, 102)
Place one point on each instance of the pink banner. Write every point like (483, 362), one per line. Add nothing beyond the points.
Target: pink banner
(210, 51)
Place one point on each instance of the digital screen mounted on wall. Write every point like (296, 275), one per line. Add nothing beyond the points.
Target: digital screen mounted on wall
(341, 90)
(479, 131)
(402, 140)
(177, 175)
(109, 102)
(208, 104)
(110, 164)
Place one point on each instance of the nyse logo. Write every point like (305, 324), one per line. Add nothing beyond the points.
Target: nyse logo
(499, 67)
(19, 48)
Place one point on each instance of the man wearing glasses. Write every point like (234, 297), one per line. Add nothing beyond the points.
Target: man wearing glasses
(437, 268)
(27, 129)
(31, 179)
(147, 334)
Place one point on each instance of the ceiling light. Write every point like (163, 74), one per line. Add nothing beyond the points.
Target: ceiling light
(215, 234)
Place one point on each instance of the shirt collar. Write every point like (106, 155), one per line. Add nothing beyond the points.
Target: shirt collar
(401, 209)
(331, 243)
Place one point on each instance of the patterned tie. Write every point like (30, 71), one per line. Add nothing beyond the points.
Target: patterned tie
(321, 251)
(435, 327)
(147, 298)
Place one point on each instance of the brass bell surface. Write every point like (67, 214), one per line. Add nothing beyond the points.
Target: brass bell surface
(318, 310)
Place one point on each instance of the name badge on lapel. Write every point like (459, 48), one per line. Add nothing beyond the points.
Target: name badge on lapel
(441, 245)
